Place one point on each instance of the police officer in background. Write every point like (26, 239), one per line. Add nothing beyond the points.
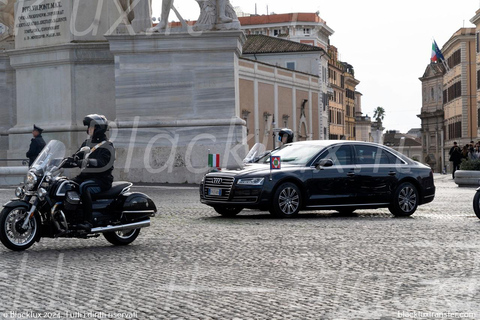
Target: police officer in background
(285, 136)
(36, 145)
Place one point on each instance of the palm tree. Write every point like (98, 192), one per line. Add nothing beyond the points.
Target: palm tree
(379, 114)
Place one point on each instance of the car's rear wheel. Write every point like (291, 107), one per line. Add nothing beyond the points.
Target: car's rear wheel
(228, 211)
(405, 200)
(286, 201)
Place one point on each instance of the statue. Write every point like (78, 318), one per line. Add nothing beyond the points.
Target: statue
(7, 18)
(214, 15)
(138, 14)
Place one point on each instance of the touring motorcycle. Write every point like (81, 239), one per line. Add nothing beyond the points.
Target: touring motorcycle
(49, 205)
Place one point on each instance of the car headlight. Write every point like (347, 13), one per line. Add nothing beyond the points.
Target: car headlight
(31, 180)
(251, 181)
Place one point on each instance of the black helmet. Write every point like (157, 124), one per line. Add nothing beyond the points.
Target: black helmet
(288, 132)
(99, 121)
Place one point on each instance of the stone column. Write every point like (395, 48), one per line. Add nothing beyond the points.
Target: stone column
(177, 97)
(8, 96)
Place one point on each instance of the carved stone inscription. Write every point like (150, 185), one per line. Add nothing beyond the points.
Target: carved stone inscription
(40, 22)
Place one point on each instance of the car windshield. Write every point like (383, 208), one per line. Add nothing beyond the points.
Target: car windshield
(298, 154)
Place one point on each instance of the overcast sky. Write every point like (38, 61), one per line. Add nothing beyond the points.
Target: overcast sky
(387, 42)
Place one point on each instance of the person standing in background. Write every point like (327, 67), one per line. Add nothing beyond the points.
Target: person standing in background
(456, 157)
(36, 145)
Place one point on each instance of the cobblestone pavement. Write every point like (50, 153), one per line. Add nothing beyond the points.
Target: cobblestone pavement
(194, 264)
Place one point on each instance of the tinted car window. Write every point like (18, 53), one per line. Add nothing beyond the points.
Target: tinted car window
(340, 155)
(294, 153)
(372, 155)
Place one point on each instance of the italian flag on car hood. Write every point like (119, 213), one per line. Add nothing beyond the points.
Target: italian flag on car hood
(214, 160)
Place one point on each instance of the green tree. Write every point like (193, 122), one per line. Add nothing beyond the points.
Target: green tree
(379, 114)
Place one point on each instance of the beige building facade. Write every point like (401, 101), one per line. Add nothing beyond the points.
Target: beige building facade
(340, 85)
(273, 97)
(451, 98)
(432, 117)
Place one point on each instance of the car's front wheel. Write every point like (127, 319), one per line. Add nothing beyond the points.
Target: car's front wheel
(405, 200)
(228, 211)
(286, 201)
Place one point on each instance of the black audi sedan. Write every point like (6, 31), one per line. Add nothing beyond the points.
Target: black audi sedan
(322, 175)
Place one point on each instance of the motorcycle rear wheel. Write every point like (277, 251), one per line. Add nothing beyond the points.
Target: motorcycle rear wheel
(12, 235)
(122, 238)
(476, 204)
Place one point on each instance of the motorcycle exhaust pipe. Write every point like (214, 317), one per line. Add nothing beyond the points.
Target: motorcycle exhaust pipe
(136, 225)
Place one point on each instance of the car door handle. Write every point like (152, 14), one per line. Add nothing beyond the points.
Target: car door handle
(350, 174)
(392, 173)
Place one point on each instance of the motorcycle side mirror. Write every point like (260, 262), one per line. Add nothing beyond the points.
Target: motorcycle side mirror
(324, 163)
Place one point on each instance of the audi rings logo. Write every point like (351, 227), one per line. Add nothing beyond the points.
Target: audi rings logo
(217, 180)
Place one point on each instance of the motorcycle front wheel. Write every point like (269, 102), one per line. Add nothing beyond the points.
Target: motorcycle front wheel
(476, 204)
(122, 238)
(12, 233)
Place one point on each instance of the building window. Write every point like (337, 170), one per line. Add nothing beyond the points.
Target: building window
(453, 92)
(276, 32)
(478, 42)
(290, 65)
(455, 59)
(432, 92)
(478, 79)
(306, 32)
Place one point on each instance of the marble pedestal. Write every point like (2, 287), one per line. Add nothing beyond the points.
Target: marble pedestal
(56, 87)
(7, 94)
(177, 98)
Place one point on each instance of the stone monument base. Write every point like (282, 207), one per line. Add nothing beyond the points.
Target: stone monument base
(60, 84)
(7, 94)
(177, 99)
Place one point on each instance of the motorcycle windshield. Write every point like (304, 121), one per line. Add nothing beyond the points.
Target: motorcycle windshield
(257, 150)
(51, 156)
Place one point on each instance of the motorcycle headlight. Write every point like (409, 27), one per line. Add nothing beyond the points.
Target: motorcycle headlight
(31, 180)
(19, 192)
(251, 181)
(42, 193)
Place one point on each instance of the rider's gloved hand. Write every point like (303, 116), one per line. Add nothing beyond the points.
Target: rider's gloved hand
(70, 161)
(80, 162)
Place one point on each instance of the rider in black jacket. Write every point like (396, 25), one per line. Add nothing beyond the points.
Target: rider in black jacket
(97, 166)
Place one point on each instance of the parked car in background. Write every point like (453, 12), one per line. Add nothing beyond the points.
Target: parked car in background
(322, 175)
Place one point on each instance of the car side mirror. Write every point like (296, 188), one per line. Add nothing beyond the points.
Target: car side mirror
(324, 163)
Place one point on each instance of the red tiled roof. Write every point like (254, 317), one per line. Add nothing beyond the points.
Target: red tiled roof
(265, 44)
(279, 18)
(269, 19)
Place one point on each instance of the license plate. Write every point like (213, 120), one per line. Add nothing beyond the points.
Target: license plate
(215, 192)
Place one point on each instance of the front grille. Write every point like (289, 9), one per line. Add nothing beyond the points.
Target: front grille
(215, 182)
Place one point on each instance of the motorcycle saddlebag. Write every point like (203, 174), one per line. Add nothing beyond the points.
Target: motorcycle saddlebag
(137, 206)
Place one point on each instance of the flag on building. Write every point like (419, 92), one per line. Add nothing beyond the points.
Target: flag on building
(214, 160)
(275, 163)
(437, 55)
